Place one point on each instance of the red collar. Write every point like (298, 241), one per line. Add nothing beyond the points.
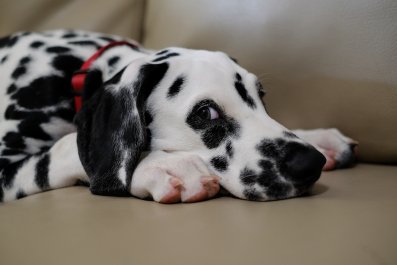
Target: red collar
(79, 76)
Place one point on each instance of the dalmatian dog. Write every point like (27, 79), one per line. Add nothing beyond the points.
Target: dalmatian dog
(175, 125)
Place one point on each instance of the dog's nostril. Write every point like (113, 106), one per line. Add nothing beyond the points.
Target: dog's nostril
(304, 164)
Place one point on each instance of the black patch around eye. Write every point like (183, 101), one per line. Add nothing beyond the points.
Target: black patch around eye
(173, 54)
(36, 44)
(57, 49)
(219, 163)
(41, 177)
(85, 43)
(242, 91)
(112, 61)
(175, 87)
(20, 194)
(213, 132)
(18, 72)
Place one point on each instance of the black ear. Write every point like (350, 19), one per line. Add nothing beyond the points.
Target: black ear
(111, 131)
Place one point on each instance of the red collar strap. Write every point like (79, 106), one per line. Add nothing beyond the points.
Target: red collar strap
(79, 76)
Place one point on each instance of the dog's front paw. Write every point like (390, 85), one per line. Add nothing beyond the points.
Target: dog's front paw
(174, 177)
(339, 150)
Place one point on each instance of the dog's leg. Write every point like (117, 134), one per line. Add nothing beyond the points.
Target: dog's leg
(173, 177)
(59, 167)
(338, 149)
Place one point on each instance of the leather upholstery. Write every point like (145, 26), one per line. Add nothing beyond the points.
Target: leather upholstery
(120, 17)
(350, 220)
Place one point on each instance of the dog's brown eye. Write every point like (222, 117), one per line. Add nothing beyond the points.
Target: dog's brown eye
(207, 113)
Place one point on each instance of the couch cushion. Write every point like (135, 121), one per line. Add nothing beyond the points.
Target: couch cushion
(324, 63)
(121, 17)
(350, 220)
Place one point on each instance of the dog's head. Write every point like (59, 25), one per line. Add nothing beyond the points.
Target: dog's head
(199, 102)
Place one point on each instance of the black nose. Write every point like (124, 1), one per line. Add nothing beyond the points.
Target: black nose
(303, 164)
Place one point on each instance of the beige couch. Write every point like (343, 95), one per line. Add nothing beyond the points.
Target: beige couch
(324, 64)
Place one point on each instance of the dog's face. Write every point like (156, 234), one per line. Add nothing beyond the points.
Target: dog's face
(204, 103)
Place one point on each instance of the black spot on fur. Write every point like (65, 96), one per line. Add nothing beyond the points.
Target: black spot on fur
(1, 187)
(8, 41)
(242, 91)
(11, 152)
(248, 176)
(12, 113)
(69, 35)
(259, 88)
(31, 127)
(162, 52)
(229, 149)
(85, 43)
(112, 61)
(68, 64)
(173, 54)
(43, 92)
(9, 172)
(4, 59)
(108, 39)
(18, 72)
(41, 177)
(25, 60)
(11, 89)
(219, 163)
(290, 134)
(57, 49)
(175, 87)
(251, 194)
(20, 194)
(156, 73)
(268, 148)
(148, 118)
(36, 44)
(14, 140)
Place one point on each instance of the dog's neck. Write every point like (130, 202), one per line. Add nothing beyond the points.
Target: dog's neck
(115, 59)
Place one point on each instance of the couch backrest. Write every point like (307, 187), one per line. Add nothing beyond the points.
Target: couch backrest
(324, 63)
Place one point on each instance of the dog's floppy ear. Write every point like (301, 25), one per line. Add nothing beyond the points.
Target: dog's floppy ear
(111, 131)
